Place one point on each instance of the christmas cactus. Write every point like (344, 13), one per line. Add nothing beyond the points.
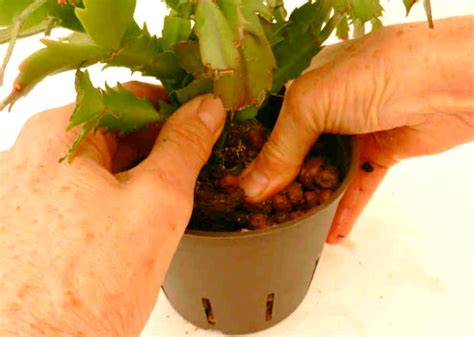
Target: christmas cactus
(241, 50)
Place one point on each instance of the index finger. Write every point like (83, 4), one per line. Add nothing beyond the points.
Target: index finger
(295, 132)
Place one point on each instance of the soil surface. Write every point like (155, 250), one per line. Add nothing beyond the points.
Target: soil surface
(220, 204)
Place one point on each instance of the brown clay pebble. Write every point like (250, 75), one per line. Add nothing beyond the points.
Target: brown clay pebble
(281, 203)
(327, 177)
(229, 183)
(295, 194)
(312, 198)
(297, 214)
(259, 221)
(261, 207)
(255, 139)
(281, 217)
(309, 171)
(325, 195)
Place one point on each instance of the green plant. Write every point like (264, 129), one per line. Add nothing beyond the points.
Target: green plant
(242, 50)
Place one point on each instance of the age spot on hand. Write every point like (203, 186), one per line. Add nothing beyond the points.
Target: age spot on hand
(367, 167)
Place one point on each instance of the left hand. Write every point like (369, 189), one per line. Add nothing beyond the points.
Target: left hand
(403, 90)
(83, 251)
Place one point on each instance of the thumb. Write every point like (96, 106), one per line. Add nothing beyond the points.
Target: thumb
(184, 144)
(294, 133)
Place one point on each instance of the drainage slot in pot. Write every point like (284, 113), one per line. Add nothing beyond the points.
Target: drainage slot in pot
(269, 312)
(208, 311)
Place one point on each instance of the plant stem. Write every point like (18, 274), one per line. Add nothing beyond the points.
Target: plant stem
(6, 33)
(15, 33)
(427, 5)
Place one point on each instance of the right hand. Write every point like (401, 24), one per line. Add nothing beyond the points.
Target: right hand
(404, 90)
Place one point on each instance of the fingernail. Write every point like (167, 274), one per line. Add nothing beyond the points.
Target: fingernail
(212, 113)
(333, 240)
(254, 183)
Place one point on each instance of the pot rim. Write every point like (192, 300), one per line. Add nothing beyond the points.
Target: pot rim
(287, 225)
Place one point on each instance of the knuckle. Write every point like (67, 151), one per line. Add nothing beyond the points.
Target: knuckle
(274, 151)
(135, 87)
(37, 128)
(50, 123)
(150, 179)
(304, 102)
(35, 121)
(193, 137)
(277, 154)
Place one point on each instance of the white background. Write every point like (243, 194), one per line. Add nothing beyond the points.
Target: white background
(408, 267)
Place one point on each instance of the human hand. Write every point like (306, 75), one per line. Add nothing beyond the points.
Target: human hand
(83, 252)
(405, 90)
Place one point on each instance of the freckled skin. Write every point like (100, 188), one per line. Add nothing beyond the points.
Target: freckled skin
(46, 247)
(83, 252)
(23, 292)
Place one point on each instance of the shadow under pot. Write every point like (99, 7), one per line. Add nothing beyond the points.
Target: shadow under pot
(243, 282)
